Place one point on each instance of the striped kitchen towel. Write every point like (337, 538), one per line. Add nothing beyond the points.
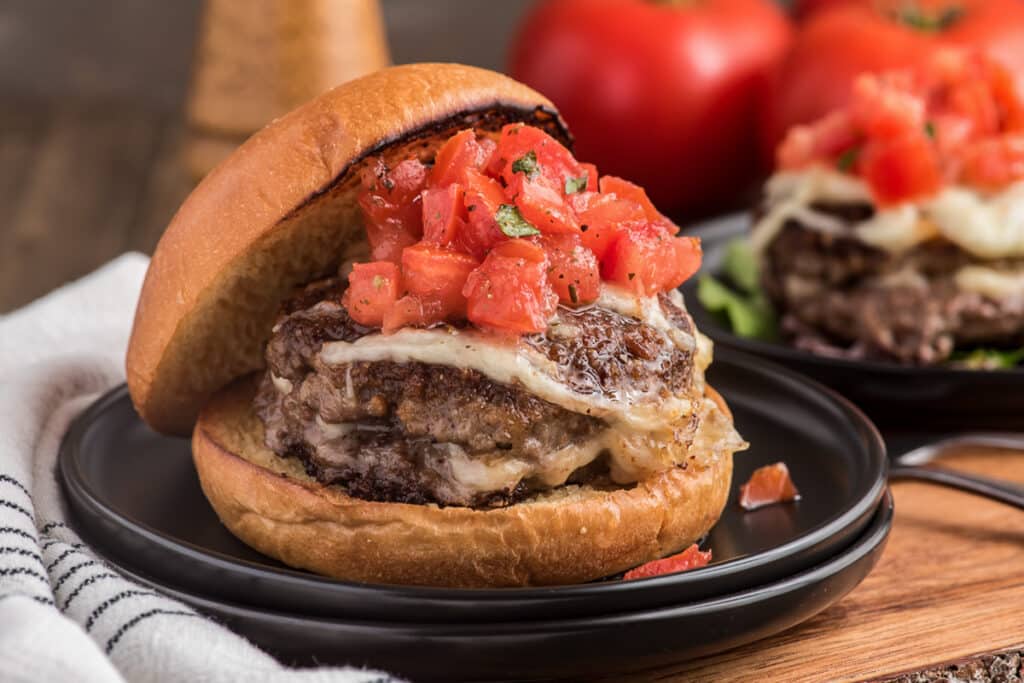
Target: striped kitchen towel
(64, 614)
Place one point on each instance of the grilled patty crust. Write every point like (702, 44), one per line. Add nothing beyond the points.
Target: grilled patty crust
(840, 296)
(391, 431)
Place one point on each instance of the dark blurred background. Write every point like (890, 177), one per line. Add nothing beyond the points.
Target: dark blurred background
(91, 100)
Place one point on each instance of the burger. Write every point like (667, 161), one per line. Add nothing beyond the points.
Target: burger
(415, 341)
(894, 227)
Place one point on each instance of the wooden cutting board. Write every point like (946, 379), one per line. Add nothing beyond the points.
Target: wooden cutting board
(949, 586)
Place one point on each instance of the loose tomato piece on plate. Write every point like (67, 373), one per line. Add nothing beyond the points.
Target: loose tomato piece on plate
(373, 289)
(434, 273)
(443, 213)
(648, 260)
(691, 558)
(481, 232)
(391, 207)
(573, 273)
(768, 485)
(509, 292)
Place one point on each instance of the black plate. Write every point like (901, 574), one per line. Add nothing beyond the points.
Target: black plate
(892, 395)
(578, 648)
(137, 498)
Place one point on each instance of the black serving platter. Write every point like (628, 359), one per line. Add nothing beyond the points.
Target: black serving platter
(894, 396)
(585, 647)
(135, 497)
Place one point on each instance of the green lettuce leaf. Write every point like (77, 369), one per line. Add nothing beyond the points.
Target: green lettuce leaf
(749, 315)
(989, 359)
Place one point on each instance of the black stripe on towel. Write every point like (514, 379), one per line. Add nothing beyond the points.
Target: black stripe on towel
(15, 531)
(131, 623)
(41, 599)
(60, 557)
(113, 600)
(53, 525)
(54, 541)
(88, 582)
(14, 482)
(69, 573)
(23, 552)
(17, 508)
(24, 571)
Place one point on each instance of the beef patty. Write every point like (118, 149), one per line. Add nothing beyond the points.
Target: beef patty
(396, 431)
(840, 296)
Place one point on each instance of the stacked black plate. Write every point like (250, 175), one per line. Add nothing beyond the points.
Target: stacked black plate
(135, 497)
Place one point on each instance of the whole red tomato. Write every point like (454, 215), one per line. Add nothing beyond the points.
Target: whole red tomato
(848, 37)
(662, 93)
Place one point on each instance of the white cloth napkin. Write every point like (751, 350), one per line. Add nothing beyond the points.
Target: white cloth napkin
(64, 614)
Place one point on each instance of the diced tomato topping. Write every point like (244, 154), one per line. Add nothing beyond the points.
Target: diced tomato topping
(373, 289)
(412, 311)
(604, 217)
(483, 198)
(437, 274)
(691, 558)
(573, 271)
(530, 152)
(623, 189)
(460, 153)
(768, 485)
(509, 292)
(592, 180)
(542, 206)
(907, 132)
(391, 207)
(648, 260)
(498, 232)
(901, 168)
(994, 163)
(443, 213)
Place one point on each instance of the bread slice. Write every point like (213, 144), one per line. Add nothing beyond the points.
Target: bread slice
(280, 212)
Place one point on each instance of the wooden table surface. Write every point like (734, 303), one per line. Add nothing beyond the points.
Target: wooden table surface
(83, 181)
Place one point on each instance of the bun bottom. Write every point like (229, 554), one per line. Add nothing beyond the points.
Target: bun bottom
(569, 535)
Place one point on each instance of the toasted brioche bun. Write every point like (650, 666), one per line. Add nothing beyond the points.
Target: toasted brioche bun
(281, 211)
(569, 535)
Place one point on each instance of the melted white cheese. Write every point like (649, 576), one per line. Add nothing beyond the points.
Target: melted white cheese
(646, 432)
(632, 455)
(514, 362)
(986, 226)
(992, 283)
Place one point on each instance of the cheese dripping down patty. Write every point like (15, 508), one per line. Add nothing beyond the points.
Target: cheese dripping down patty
(646, 432)
(986, 226)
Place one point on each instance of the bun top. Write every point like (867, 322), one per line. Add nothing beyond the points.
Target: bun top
(281, 211)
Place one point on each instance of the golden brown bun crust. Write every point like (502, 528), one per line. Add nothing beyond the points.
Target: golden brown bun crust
(282, 211)
(572, 535)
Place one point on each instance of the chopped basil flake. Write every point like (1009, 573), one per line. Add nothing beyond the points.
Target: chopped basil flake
(526, 164)
(848, 159)
(512, 222)
(929, 129)
(572, 294)
(574, 185)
